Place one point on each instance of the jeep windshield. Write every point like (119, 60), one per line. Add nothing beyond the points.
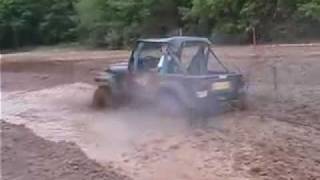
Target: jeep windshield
(147, 56)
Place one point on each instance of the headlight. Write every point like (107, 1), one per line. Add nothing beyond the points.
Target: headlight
(104, 77)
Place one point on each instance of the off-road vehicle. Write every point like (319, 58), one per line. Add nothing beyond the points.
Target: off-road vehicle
(178, 74)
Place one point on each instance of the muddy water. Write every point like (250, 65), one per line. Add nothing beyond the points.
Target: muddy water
(158, 148)
(144, 145)
(64, 113)
(277, 139)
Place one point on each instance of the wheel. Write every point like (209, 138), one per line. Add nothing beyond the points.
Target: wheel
(102, 97)
(242, 103)
(170, 105)
(204, 111)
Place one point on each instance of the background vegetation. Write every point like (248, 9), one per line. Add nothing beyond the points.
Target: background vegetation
(117, 23)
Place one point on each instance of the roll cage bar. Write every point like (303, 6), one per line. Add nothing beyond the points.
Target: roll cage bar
(175, 46)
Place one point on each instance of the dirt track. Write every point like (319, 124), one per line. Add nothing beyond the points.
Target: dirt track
(26, 156)
(279, 138)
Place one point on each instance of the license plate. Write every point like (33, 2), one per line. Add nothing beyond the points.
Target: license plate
(202, 94)
(218, 86)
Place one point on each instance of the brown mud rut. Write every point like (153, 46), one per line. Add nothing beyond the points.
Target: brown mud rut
(277, 138)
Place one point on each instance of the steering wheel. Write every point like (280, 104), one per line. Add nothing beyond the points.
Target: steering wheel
(150, 62)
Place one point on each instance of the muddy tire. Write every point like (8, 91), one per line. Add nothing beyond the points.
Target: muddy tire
(102, 97)
(170, 105)
(242, 103)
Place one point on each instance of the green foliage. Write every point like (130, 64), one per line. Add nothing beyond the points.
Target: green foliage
(267, 17)
(117, 23)
(58, 23)
(26, 22)
(310, 9)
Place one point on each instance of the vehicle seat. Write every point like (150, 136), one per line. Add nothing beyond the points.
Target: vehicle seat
(198, 65)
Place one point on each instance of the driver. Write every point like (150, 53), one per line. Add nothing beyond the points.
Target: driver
(166, 63)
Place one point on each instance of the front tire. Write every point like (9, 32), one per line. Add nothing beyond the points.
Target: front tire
(170, 105)
(102, 97)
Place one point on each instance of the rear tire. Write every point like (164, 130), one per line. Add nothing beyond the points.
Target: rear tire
(242, 103)
(170, 105)
(102, 97)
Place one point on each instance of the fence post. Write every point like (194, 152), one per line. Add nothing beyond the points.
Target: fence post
(254, 37)
(180, 32)
(275, 81)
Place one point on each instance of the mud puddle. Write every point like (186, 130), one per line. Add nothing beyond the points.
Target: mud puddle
(65, 113)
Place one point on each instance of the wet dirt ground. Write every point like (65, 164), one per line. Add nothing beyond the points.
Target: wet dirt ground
(277, 138)
(27, 156)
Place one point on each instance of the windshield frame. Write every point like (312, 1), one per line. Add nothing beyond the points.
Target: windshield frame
(176, 53)
(138, 50)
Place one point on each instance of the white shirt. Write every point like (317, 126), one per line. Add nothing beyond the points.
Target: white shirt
(161, 62)
(162, 59)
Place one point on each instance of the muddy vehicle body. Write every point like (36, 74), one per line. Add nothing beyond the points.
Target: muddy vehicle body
(180, 74)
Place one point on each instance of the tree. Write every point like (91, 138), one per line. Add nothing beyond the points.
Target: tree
(27, 22)
(117, 23)
(310, 9)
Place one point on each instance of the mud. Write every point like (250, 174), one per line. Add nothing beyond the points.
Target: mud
(277, 138)
(27, 156)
